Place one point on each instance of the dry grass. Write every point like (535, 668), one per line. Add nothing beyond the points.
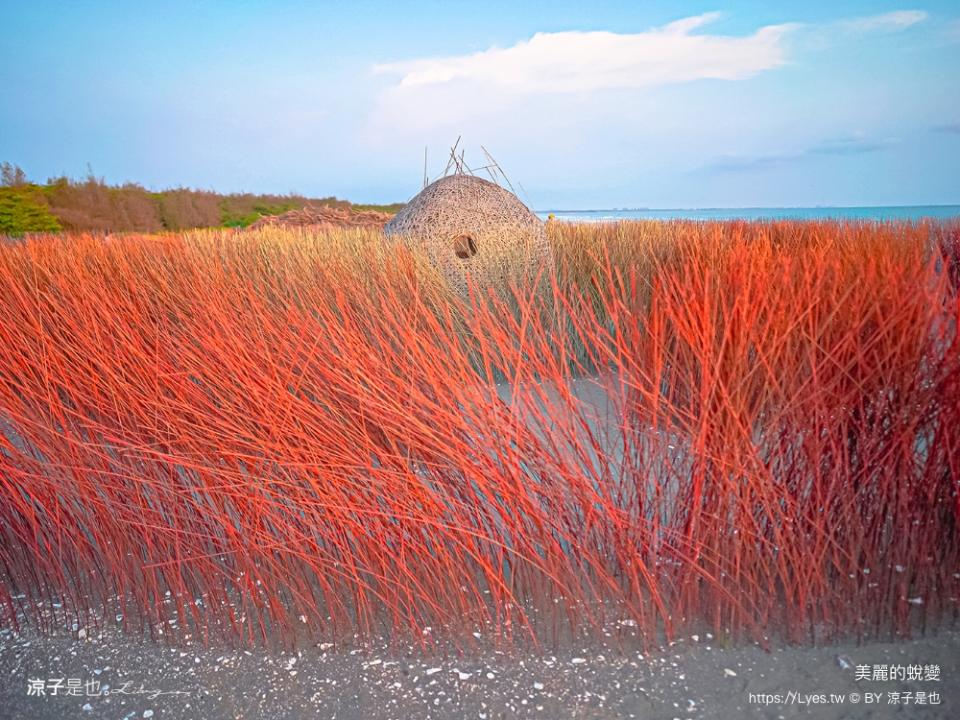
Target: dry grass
(304, 432)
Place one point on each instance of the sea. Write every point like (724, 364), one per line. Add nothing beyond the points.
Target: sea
(888, 212)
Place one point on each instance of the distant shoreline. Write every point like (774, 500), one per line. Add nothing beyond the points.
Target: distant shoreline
(870, 212)
(755, 207)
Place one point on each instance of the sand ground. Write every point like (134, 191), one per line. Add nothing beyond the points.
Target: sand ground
(692, 678)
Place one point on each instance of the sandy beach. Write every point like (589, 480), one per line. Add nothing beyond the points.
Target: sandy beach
(691, 678)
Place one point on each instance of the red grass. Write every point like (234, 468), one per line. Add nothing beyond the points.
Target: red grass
(281, 430)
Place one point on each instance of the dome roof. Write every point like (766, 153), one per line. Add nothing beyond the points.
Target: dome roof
(470, 226)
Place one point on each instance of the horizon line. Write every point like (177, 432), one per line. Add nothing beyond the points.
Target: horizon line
(753, 207)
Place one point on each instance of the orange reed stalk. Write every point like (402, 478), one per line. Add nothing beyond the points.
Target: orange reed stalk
(753, 426)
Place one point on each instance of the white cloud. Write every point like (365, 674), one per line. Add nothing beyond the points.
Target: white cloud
(566, 86)
(587, 61)
(887, 22)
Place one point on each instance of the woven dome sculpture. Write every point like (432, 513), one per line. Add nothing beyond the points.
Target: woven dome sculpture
(469, 226)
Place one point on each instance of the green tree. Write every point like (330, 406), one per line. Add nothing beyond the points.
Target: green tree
(23, 210)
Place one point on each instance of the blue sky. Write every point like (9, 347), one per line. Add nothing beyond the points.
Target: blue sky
(600, 105)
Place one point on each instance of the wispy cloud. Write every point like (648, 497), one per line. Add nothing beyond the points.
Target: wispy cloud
(844, 146)
(574, 76)
(887, 22)
(855, 145)
(950, 128)
(586, 61)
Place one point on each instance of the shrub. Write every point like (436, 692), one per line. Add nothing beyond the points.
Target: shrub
(23, 210)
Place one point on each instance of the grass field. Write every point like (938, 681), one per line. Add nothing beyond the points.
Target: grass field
(271, 434)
